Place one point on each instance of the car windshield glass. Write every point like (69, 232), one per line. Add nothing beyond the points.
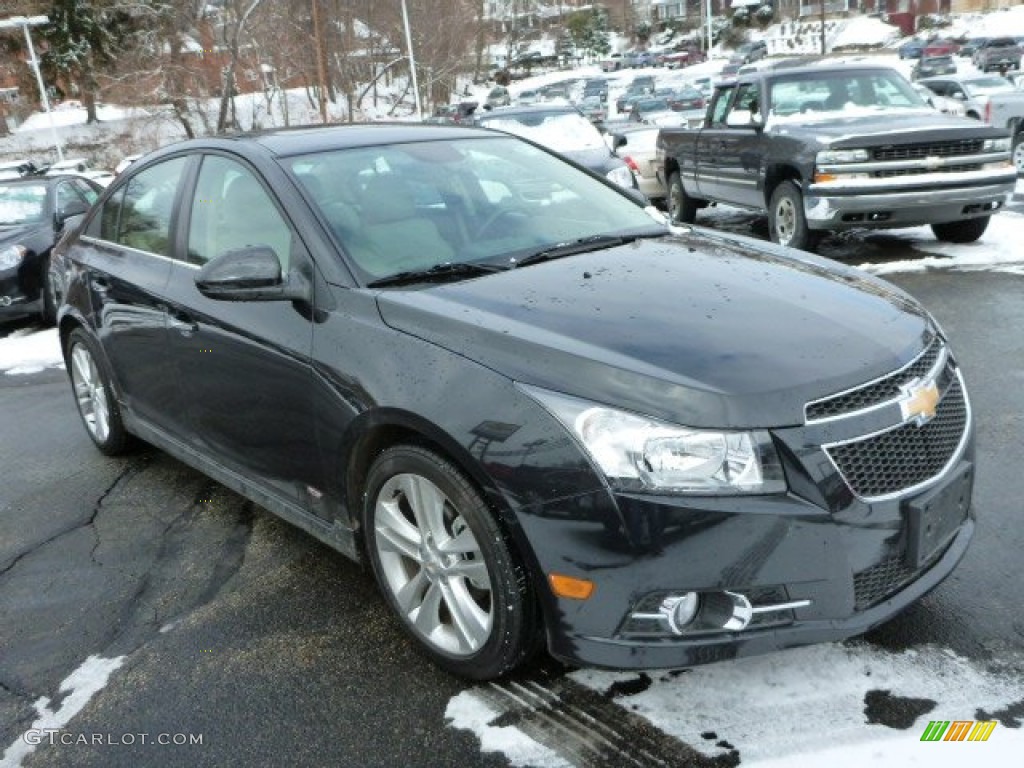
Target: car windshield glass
(22, 204)
(820, 96)
(560, 131)
(489, 200)
(985, 85)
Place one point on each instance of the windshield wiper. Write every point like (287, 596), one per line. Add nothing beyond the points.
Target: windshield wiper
(448, 270)
(583, 245)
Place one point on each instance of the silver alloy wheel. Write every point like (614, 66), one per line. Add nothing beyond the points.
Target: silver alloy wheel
(90, 392)
(433, 566)
(785, 220)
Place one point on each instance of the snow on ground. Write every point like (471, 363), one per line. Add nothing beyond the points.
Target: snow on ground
(808, 707)
(998, 249)
(865, 30)
(80, 686)
(30, 351)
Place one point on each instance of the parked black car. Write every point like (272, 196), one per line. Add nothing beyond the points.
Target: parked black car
(933, 65)
(33, 211)
(534, 410)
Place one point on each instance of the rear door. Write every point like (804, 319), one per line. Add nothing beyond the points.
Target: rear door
(124, 255)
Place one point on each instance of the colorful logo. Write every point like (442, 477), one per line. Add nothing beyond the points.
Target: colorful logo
(958, 730)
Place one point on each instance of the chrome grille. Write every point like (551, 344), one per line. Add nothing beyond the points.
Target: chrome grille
(876, 392)
(906, 456)
(932, 149)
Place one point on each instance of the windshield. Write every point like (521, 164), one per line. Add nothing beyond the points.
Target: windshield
(809, 96)
(986, 85)
(22, 204)
(560, 131)
(488, 200)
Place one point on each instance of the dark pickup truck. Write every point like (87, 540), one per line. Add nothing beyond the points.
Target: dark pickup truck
(824, 148)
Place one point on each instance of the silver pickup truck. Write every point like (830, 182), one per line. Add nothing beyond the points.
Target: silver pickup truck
(990, 98)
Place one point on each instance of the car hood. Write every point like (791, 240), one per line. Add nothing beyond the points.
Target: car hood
(18, 233)
(701, 330)
(883, 128)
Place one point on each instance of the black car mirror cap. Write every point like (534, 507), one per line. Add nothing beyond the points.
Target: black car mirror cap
(250, 274)
(618, 140)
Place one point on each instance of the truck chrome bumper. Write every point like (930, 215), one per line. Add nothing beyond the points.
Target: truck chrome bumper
(832, 208)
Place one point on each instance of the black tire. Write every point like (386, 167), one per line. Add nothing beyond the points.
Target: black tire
(471, 610)
(786, 222)
(682, 209)
(90, 385)
(965, 231)
(1017, 153)
(50, 297)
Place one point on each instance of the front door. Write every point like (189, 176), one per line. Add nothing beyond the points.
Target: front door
(244, 366)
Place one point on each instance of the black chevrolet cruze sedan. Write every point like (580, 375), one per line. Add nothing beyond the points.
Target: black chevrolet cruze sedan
(33, 211)
(539, 413)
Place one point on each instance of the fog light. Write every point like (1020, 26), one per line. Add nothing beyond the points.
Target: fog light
(680, 610)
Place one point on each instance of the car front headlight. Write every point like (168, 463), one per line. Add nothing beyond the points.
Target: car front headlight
(11, 257)
(996, 145)
(830, 156)
(621, 176)
(639, 453)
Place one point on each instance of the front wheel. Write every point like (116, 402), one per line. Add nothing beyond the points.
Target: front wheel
(786, 221)
(1018, 153)
(445, 566)
(966, 231)
(682, 209)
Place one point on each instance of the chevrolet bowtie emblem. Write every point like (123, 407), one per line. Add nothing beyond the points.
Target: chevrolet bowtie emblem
(919, 402)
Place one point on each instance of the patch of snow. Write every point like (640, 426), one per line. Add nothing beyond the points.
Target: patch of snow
(865, 30)
(998, 249)
(806, 703)
(469, 712)
(29, 351)
(81, 685)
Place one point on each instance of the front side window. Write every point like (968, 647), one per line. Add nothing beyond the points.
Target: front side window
(231, 210)
(720, 104)
(148, 207)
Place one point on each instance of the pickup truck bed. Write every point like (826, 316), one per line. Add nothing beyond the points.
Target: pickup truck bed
(829, 148)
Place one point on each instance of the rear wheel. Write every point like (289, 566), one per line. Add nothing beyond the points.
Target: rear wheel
(786, 221)
(682, 208)
(445, 566)
(94, 396)
(966, 231)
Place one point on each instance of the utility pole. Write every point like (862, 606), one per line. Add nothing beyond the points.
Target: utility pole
(823, 51)
(321, 61)
(412, 63)
(25, 23)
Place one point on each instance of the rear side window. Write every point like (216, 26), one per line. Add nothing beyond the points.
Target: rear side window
(139, 214)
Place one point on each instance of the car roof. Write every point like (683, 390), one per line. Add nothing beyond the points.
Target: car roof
(295, 141)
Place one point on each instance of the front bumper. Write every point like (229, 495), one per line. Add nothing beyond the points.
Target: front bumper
(834, 564)
(932, 200)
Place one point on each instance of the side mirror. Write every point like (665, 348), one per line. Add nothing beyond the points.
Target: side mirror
(960, 96)
(618, 140)
(74, 208)
(250, 274)
(743, 118)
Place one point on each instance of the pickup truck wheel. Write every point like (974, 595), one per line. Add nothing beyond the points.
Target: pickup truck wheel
(966, 231)
(682, 208)
(1018, 152)
(786, 222)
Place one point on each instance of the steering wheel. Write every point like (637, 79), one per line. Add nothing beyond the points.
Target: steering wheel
(498, 215)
